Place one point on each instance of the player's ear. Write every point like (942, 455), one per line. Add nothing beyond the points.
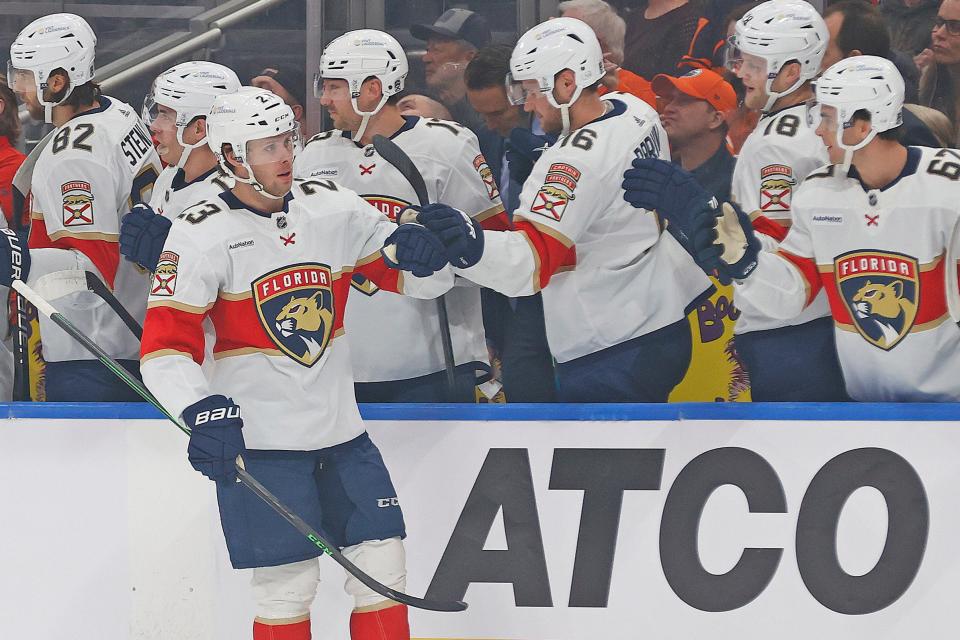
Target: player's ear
(57, 83)
(200, 127)
(297, 111)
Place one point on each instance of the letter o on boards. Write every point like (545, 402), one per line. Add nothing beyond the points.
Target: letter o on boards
(909, 522)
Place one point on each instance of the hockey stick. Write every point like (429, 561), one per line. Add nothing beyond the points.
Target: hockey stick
(61, 283)
(393, 154)
(22, 180)
(249, 481)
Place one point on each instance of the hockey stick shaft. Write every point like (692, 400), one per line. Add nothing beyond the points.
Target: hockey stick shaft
(249, 481)
(393, 154)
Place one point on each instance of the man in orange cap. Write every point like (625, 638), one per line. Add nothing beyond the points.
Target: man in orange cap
(694, 117)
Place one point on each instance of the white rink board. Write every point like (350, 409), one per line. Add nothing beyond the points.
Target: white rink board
(108, 533)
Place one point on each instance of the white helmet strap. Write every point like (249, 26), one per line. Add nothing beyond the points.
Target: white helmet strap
(564, 108)
(366, 115)
(187, 148)
(773, 96)
(48, 106)
(253, 182)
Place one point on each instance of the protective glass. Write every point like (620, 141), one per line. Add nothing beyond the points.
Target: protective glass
(274, 152)
(20, 80)
(331, 88)
(520, 91)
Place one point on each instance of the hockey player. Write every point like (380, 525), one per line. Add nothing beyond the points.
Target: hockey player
(615, 289)
(99, 163)
(175, 110)
(776, 52)
(878, 230)
(269, 262)
(361, 74)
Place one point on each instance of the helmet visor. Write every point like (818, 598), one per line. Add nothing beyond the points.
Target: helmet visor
(742, 63)
(520, 91)
(21, 80)
(825, 116)
(157, 117)
(274, 152)
(331, 88)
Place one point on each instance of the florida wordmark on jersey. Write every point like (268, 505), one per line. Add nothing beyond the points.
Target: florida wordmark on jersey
(448, 157)
(613, 274)
(275, 288)
(774, 159)
(887, 262)
(94, 169)
(173, 193)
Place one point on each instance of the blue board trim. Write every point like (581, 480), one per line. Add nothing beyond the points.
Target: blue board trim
(543, 412)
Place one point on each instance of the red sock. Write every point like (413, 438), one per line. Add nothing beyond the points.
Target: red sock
(296, 631)
(382, 624)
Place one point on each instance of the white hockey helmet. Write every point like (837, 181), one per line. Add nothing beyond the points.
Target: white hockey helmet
(868, 83)
(358, 55)
(189, 89)
(58, 41)
(549, 48)
(781, 31)
(248, 114)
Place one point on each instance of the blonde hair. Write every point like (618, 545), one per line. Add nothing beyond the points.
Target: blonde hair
(605, 22)
(935, 120)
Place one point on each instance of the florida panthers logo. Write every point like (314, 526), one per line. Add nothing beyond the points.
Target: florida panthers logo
(295, 306)
(880, 290)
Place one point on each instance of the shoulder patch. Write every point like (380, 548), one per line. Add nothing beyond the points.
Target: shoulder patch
(557, 190)
(486, 174)
(776, 187)
(77, 203)
(165, 277)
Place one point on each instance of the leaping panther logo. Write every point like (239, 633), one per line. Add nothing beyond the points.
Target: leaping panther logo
(295, 306)
(880, 290)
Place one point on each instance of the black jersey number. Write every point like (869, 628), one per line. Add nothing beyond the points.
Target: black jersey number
(79, 133)
(142, 186)
(945, 164)
(449, 126)
(787, 125)
(582, 139)
(199, 213)
(309, 187)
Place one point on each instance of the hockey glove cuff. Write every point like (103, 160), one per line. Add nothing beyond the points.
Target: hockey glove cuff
(461, 235)
(417, 251)
(14, 258)
(216, 437)
(142, 235)
(738, 243)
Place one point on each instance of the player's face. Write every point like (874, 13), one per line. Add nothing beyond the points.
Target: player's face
(752, 70)
(497, 112)
(24, 85)
(164, 129)
(272, 161)
(444, 61)
(686, 118)
(537, 103)
(945, 38)
(335, 98)
(827, 131)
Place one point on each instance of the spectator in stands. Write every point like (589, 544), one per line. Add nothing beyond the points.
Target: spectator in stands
(857, 28)
(910, 23)
(10, 157)
(694, 116)
(937, 84)
(938, 124)
(415, 104)
(289, 83)
(610, 30)
(706, 49)
(452, 41)
(514, 326)
(658, 35)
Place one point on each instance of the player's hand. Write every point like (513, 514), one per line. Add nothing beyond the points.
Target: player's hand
(415, 249)
(216, 437)
(14, 258)
(142, 234)
(523, 150)
(732, 249)
(671, 191)
(461, 235)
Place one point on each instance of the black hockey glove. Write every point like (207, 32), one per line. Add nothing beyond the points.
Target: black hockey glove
(523, 150)
(142, 234)
(417, 251)
(216, 437)
(14, 258)
(461, 235)
(671, 191)
(738, 244)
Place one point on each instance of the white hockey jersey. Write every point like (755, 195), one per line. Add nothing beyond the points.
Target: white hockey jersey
(887, 260)
(173, 193)
(94, 169)
(613, 274)
(774, 159)
(275, 287)
(448, 157)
